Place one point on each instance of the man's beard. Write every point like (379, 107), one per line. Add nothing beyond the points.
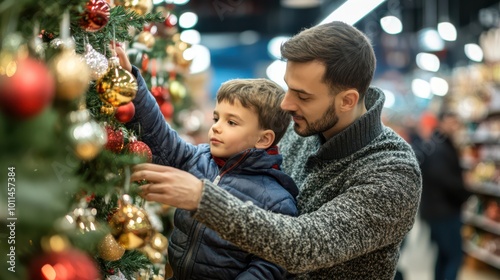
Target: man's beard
(327, 121)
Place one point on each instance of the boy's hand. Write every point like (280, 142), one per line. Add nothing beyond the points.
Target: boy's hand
(122, 55)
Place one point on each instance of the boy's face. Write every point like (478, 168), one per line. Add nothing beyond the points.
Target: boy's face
(235, 129)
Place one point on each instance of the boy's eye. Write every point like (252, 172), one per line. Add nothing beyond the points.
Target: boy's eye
(215, 119)
(231, 122)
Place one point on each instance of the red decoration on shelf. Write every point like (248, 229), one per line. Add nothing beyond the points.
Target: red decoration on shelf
(139, 148)
(167, 109)
(70, 264)
(95, 16)
(28, 91)
(115, 140)
(125, 113)
(161, 94)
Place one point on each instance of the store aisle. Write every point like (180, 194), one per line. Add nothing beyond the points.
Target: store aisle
(417, 258)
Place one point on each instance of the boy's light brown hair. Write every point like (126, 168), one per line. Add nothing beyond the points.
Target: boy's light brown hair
(263, 97)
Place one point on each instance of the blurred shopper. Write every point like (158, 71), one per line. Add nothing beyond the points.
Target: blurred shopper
(443, 194)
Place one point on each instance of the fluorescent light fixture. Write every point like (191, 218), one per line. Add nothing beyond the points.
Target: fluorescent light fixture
(274, 46)
(276, 71)
(352, 11)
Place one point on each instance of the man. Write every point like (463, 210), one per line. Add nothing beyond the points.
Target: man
(359, 181)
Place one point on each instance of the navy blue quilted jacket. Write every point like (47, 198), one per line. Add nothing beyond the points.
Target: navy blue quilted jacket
(197, 252)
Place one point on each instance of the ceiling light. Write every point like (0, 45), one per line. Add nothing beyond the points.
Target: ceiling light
(429, 40)
(428, 62)
(188, 20)
(352, 11)
(274, 46)
(391, 24)
(447, 31)
(421, 88)
(276, 72)
(300, 4)
(439, 86)
(473, 52)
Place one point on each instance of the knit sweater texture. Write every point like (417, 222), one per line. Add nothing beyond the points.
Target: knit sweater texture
(359, 195)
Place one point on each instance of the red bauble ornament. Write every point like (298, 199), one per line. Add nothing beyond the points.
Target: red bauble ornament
(28, 90)
(66, 265)
(167, 109)
(170, 20)
(95, 16)
(160, 93)
(115, 140)
(125, 113)
(139, 148)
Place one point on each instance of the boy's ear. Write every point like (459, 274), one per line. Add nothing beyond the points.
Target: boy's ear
(266, 139)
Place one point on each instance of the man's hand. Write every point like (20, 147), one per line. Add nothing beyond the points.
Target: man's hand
(168, 185)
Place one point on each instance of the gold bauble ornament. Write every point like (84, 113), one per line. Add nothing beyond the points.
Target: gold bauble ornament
(147, 39)
(181, 53)
(159, 242)
(130, 225)
(87, 137)
(118, 86)
(177, 90)
(107, 109)
(153, 255)
(109, 250)
(139, 6)
(72, 74)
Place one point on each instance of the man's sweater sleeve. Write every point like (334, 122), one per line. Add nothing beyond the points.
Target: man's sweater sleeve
(342, 229)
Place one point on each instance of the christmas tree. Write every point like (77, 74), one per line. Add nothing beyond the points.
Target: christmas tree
(69, 210)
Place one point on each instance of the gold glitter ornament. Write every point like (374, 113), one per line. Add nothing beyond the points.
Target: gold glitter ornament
(141, 7)
(72, 74)
(108, 249)
(130, 225)
(117, 86)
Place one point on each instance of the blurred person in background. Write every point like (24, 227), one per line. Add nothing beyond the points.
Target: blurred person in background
(443, 193)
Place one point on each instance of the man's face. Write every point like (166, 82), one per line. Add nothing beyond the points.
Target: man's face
(308, 99)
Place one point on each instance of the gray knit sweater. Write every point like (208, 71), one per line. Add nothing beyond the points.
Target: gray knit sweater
(359, 194)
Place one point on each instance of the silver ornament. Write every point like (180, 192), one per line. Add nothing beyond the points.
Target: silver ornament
(97, 62)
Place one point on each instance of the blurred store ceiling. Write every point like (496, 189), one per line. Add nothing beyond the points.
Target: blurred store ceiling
(237, 32)
(275, 17)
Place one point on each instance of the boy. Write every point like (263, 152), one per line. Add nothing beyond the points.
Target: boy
(242, 152)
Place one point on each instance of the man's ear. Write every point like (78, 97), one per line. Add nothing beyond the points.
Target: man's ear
(266, 139)
(348, 99)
